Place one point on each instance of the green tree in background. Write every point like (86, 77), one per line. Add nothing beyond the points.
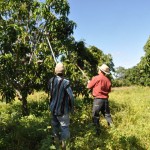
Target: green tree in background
(137, 75)
(140, 74)
(119, 76)
(144, 66)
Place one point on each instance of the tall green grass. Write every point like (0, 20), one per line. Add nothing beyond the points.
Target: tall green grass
(130, 109)
(131, 113)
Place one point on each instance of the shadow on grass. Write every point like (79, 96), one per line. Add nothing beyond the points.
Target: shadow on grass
(31, 133)
(130, 143)
(83, 132)
(83, 135)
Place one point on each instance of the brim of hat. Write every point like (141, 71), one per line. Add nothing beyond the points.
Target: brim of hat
(104, 71)
(59, 72)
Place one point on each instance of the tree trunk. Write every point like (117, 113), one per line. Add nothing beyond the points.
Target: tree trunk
(25, 111)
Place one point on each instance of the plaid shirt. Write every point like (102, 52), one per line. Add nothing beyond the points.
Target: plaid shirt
(62, 99)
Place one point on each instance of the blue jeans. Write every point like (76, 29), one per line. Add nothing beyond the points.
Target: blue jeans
(101, 105)
(61, 124)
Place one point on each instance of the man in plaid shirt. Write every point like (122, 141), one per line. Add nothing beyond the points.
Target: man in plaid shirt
(61, 104)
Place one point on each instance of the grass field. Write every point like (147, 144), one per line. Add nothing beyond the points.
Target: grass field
(131, 112)
(130, 109)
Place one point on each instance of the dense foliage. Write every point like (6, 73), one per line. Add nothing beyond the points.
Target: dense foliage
(28, 30)
(129, 109)
(144, 66)
(25, 58)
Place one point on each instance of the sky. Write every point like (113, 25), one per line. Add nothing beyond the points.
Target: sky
(117, 27)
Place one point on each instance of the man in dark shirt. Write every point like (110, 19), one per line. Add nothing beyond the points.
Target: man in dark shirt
(101, 86)
(61, 104)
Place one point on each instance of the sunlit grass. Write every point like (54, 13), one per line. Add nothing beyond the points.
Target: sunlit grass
(130, 109)
(132, 116)
(37, 96)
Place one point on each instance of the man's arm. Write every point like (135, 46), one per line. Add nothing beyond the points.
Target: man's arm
(70, 95)
(91, 83)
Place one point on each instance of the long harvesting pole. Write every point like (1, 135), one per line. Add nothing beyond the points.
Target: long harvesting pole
(51, 50)
(82, 72)
(56, 60)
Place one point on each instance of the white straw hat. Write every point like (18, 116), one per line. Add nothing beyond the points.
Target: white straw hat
(59, 68)
(104, 68)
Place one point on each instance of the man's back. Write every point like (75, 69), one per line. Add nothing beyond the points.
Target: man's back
(61, 101)
(101, 86)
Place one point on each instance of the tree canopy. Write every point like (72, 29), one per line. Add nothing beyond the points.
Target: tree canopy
(25, 59)
(28, 29)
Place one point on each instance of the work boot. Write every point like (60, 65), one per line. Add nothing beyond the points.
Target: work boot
(55, 140)
(98, 130)
(63, 145)
(111, 125)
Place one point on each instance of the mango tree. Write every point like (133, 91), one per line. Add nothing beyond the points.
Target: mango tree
(26, 62)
